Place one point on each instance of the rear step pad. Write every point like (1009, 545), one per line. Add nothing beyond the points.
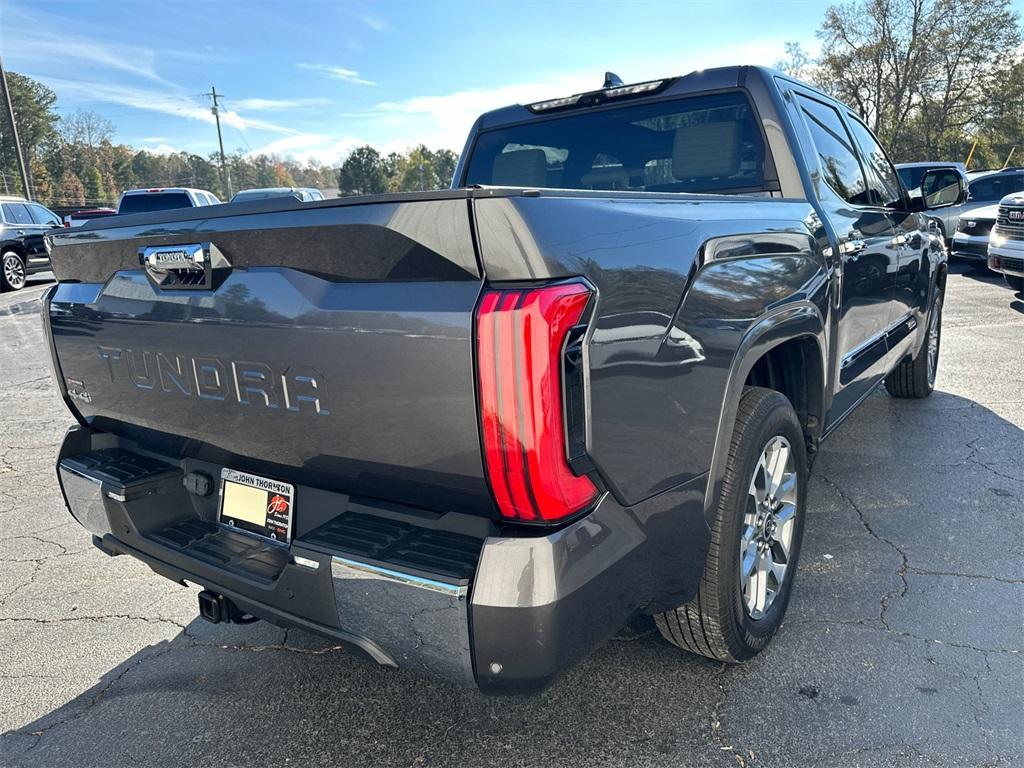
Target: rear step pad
(398, 543)
(239, 553)
(120, 470)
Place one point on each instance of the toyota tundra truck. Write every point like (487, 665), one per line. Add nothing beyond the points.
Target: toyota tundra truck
(475, 432)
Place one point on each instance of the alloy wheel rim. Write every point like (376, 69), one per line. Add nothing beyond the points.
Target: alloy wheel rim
(769, 522)
(933, 342)
(14, 271)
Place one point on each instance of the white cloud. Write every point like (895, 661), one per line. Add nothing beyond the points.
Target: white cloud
(34, 38)
(338, 73)
(444, 120)
(163, 149)
(376, 23)
(269, 105)
(167, 103)
(328, 150)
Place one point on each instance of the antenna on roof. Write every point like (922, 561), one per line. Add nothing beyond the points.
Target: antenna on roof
(611, 80)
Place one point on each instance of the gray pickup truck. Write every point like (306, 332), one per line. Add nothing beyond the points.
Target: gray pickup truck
(475, 432)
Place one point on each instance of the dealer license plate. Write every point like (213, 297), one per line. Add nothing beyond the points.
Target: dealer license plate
(257, 504)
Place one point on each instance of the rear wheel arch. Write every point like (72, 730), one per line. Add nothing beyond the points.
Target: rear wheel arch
(774, 348)
(14, 246)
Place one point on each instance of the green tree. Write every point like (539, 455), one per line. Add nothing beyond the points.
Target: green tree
(444, 166)
(362, 173)
(92, 180)
(35, 116)
(71, 191)
(922, 73)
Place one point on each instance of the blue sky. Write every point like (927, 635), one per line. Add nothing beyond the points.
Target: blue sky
(314, 79)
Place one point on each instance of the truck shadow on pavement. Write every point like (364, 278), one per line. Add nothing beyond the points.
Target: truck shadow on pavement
(902, 646)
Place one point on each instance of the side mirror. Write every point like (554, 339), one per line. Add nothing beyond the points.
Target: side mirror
(941, 188)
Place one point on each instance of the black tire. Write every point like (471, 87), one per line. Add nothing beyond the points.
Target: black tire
(716, 623)
(12, 271)
(1015, 282)
(913, 378)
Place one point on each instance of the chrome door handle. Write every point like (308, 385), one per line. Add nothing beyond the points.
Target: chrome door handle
(853, 247)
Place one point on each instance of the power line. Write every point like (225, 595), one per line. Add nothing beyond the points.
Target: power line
(238, 130)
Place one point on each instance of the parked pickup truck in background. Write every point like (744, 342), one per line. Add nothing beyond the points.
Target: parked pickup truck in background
(474, 432)
(163, 199)
(1006, 246)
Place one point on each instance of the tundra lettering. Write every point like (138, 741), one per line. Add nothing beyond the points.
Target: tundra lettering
(207, 378)
(587, 383)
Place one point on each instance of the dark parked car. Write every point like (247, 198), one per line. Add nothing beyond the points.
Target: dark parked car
(912, 173)
(306, 194)
(22, 250)
(474, 432)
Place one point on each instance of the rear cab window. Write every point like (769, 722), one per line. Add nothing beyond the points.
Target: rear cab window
(709, 143)
(837, 157)
(154, 201)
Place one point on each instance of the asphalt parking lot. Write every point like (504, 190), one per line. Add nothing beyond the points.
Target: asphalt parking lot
(903, 645)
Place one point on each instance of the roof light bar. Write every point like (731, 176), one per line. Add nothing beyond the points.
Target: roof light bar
(629, 90)
(567, 101)
(597, 97)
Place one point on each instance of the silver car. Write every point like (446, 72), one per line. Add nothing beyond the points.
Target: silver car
(981, 192)
(970, 240)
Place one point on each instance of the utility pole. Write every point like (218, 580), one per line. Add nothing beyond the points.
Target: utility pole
(14, 134)
(225, 176)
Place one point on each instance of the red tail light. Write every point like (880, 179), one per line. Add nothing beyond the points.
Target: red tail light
(520, 335)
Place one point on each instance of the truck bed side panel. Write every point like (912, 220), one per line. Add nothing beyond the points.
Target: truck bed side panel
(657, 369)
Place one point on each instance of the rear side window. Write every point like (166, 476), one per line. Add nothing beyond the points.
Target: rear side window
(43, 215)
(696, 144)
(839, 164)
(16, 213)
(156, 201)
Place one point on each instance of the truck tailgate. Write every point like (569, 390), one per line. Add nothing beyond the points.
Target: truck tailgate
(334, 347)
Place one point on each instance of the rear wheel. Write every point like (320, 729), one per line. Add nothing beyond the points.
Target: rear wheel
(915, 377)
(1015, 282)
(755, 537)
(12, 272)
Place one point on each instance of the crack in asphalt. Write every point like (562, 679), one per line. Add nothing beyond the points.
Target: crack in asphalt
(982, 576)
(96, 698)
(873, 625)
(100, 618)
(738, 754)
(901, 572)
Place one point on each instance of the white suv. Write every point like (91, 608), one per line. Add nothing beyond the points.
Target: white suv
(1006, 246)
